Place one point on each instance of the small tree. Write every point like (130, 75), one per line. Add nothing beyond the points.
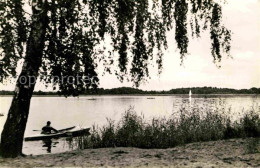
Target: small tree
(59, 41)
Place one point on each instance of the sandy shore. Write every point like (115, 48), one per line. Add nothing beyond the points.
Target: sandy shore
(228, 153)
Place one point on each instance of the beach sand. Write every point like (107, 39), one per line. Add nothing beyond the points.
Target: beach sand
(225, 153)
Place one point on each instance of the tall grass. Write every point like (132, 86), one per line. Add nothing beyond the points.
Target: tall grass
(188, 124)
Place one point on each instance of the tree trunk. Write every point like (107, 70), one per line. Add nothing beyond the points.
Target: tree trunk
(14, 128)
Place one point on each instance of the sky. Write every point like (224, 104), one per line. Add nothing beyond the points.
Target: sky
(198, 70)
(241, 71)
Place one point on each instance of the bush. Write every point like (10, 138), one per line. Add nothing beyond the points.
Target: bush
(189, 124)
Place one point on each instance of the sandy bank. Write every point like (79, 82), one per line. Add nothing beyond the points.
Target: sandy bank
(228, 153)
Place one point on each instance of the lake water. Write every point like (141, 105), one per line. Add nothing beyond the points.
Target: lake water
(88, 110)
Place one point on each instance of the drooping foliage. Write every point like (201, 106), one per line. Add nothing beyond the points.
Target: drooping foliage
(13, 34)
(134, 29)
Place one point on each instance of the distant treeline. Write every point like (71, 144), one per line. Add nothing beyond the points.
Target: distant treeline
(128, 90)
(195, 90)
(3, 92)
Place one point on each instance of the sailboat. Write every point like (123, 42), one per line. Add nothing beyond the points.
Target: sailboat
(190, 96)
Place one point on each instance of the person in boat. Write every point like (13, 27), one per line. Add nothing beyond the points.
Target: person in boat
(48, 129)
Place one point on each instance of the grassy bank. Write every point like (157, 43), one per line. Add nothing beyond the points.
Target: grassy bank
(191, 123)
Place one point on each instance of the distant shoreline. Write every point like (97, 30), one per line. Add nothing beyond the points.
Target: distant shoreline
(133, 91)
(185, 95)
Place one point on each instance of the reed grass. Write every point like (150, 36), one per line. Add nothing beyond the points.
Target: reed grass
(189, 124)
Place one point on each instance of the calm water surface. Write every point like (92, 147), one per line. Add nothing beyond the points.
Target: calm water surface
(88, 110)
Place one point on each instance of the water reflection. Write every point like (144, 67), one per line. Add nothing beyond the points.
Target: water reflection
(49, 144)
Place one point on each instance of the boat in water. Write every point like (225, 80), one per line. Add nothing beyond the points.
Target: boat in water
(190, 94)
(67, 132)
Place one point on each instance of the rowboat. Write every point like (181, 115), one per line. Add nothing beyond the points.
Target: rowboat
(71, 131)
